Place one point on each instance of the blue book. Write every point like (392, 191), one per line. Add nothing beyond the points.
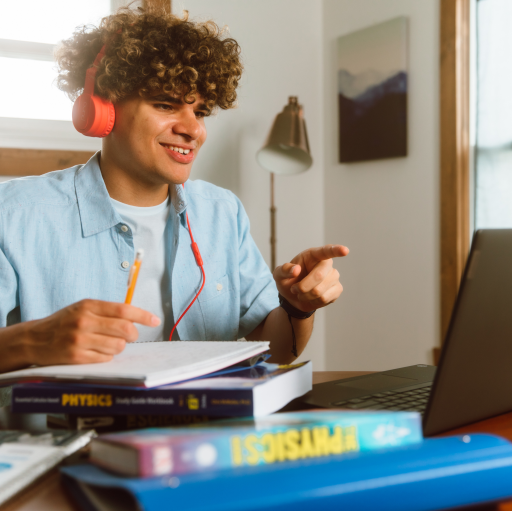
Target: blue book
(276, 439)
(255, 391)
(438, 473)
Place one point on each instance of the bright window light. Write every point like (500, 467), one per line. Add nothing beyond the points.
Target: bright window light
(28, 91)
(493, 162)
(27, 87)
(49, 22)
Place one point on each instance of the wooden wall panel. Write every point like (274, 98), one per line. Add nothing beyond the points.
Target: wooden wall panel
(34, 162)
(454, 150)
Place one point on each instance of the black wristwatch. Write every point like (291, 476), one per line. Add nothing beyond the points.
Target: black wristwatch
(293, 311)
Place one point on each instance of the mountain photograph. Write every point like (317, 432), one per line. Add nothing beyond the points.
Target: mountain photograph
(372, 93)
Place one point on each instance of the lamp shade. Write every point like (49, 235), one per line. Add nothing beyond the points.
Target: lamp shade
(286, 150)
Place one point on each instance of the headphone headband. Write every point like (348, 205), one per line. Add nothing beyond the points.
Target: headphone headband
(90, 74)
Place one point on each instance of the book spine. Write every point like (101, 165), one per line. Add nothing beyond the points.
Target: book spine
(280, 445)
(117, 401)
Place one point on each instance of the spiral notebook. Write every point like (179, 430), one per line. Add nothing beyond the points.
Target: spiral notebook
(148, 364)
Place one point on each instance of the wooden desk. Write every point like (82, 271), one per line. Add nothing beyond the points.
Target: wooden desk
(47, 494)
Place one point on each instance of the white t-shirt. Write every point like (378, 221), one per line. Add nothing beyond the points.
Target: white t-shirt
(152, 292)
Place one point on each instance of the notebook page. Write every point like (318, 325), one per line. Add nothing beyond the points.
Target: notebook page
(149, 364)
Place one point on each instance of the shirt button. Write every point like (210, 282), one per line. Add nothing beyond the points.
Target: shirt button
(125, 264)
(167, 304)
(181, 204)
(219, 287)
(124, 228)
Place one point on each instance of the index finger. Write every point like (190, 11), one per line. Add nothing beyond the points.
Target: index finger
(328, 252)
(122, 311)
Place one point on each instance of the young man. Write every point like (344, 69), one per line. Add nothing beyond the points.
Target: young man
(68, 238)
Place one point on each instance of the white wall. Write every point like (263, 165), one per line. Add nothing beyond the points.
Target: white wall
(385, 211)
(281, 45)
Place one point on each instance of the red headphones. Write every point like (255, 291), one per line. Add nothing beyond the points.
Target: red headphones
(93, 116)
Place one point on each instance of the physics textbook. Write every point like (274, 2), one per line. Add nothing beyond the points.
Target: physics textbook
(275, 439)
(438, 473)
(253, 391)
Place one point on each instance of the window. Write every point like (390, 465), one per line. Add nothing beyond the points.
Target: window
(493, 156)
(36, 132)
(29, 32)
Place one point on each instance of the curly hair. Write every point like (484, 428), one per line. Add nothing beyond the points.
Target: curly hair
(148, 52)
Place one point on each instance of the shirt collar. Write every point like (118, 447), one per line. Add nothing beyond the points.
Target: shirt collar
(97, 213)
(178, 198)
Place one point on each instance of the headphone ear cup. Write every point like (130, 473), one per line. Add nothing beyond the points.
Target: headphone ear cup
(93, 116)
(110, 120)
(81, 113)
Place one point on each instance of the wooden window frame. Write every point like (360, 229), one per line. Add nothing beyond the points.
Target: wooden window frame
(454, 151)
(35, 162)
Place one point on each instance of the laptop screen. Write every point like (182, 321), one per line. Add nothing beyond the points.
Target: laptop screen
(474, 378)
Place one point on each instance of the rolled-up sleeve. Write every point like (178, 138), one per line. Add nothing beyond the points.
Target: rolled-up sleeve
(8, 288)
(258, 291)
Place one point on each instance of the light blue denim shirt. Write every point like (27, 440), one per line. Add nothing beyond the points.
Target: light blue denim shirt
(61, 241)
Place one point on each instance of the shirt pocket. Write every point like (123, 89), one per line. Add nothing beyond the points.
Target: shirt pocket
(214, 288)
(220, 308)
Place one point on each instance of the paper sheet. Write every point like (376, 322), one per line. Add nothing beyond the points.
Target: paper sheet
(149, 364)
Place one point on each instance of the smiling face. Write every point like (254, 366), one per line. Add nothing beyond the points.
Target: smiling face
(155, 140)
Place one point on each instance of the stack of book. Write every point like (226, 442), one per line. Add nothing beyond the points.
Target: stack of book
(327, 460)
(159, 385)
(440, 473)
(150, 384)
(165, 459)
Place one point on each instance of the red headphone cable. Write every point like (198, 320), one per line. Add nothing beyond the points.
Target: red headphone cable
(199, 261)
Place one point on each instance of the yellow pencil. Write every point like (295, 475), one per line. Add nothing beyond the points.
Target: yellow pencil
(134, 273)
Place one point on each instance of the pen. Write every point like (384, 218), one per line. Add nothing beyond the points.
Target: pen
(134, 273)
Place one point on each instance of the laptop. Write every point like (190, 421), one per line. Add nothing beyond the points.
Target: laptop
(474, 378)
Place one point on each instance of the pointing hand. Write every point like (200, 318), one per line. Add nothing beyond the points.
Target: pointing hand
(309, 280)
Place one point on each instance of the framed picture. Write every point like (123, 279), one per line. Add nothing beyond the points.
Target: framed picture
(372, 92)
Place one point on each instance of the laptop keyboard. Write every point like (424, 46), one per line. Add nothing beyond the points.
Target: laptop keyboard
(408, 400)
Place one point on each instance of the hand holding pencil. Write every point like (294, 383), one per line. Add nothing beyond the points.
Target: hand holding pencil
(84, 332)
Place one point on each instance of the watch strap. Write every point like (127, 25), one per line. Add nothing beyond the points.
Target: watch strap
(293, 311)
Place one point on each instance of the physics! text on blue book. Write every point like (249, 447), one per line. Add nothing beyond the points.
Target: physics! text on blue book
(276, 439)
(438, 473)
